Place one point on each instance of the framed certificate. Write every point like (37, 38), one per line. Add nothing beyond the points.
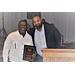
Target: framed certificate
(30, 15)
(28, 52)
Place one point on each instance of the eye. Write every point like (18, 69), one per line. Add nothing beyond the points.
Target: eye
(37, 20)
(34, 22)
(24, 25)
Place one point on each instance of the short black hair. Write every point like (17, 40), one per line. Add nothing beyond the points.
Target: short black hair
(35, 16)
(25, 21)
(22, 21)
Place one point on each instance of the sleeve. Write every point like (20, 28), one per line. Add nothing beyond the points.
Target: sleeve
(57, 37)
(32, 43)
(6, 48)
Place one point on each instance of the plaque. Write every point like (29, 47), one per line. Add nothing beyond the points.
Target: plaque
(28, 52)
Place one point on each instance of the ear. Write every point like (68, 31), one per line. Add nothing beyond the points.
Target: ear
(41, 19)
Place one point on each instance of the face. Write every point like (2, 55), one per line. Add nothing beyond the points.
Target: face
(43, 21)
(22, 27)
(37, 22)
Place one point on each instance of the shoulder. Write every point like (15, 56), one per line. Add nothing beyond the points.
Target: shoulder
(31, 31)
(12, 34)
(28, 34)
(49, 26)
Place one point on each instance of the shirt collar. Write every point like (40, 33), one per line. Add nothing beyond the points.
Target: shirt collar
(18, 32)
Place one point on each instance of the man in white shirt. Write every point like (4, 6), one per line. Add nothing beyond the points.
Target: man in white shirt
(14, 44)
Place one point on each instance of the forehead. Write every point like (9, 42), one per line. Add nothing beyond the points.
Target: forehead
(22, 22)
(36, 18)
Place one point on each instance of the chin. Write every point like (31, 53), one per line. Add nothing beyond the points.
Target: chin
(23, 32)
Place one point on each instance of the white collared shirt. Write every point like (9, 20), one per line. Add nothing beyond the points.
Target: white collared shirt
(40, 40)
(15, 43)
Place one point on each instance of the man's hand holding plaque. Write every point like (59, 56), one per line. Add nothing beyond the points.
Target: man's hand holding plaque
(29, 53)
(34, 55)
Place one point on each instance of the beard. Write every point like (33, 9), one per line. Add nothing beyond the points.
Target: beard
(38, 27)
(22, 30)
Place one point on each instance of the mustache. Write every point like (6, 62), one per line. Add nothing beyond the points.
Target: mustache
(23, 28)
(38, 27)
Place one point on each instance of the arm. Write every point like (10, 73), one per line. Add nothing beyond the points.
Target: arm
(57, 37)
(31, 32)
(6, 48)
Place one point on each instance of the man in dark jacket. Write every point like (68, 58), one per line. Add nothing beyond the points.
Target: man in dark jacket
(44, 36)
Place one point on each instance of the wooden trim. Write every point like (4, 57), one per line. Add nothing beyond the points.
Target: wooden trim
(58, 55)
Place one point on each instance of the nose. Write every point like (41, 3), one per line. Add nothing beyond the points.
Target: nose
(36, 23)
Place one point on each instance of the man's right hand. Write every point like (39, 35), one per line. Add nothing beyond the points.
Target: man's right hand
(34, 55)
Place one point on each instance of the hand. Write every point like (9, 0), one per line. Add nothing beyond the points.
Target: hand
(34, 55)
(10, 33)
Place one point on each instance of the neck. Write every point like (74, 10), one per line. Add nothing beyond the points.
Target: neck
(40, 29)
(23, 34)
